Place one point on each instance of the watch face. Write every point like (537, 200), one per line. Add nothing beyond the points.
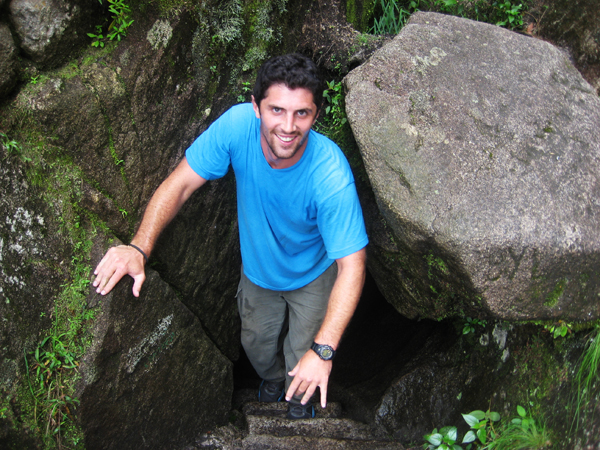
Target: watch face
(326, 353)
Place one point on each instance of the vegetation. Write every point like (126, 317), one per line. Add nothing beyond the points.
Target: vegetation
(52, 367)
(393, 14)
(486, 433)
(117, 29)
(587, 378)
(470, 324)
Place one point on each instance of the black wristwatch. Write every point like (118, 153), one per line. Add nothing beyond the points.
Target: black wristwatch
(325, 352)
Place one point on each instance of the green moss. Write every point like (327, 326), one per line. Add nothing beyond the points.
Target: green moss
(360, 13)
(49, 169)
(554, 296)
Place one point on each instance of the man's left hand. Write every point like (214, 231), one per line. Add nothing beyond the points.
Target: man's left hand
(310, 372)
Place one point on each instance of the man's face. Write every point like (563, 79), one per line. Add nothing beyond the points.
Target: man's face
(286, 117)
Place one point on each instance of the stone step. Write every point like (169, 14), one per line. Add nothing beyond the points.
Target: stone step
(262, 442)
(317, 427)
(280, 409)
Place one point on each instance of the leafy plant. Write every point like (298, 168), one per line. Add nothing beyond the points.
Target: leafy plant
(511, 15)
(559, 329)
(445, 439)
(52, 360)
(522, 433)
(98, 37)
(469, 326)
(3, 412)
(333, 117)
(121, 20)
(13, 147)
(334, 96)
(117, 29)
(246, 89)
(482, 426)
(485, 433)
(52, 368)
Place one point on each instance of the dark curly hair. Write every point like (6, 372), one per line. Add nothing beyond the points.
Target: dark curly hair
(293, 70)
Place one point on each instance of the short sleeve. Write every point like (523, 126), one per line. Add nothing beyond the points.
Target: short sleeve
(210, 154)
(341, 223)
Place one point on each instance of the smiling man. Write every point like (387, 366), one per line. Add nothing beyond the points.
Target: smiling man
(302, 233)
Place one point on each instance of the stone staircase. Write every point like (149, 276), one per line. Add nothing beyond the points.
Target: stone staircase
(264, 426)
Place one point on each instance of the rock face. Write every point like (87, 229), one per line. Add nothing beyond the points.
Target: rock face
(483, 149)
(146, 351)
(8, 61)
(576, 26)
(49, 31)
(119, 123)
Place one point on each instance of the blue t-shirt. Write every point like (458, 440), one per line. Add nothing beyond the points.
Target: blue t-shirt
(293, 222)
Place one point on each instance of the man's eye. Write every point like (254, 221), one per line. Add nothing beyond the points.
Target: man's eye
(302, 113)
(277, 110)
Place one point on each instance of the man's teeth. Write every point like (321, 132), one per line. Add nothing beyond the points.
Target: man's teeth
(286, 139)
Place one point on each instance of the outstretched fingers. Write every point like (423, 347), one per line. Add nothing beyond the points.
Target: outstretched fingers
(118, 262)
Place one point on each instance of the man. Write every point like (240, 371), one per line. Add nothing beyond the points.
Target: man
(301, 228)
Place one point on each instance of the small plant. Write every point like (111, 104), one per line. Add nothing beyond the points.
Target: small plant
(482, 426)
(52, 362)
(333, 119)
(98, 37)
(587, 377)
(510, 15)
(3, 412)
(13, 147)
(469, 326)
(246, 89)
(453, 7)
(393, 17)
(559, 329)
(119, 25)
(10, 145)
(522, 433)
(334, 96)
(445, 439)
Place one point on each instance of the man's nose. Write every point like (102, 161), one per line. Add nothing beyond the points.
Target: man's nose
(289, 124)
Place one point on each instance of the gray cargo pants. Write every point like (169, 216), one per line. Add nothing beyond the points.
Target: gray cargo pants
(275, 319)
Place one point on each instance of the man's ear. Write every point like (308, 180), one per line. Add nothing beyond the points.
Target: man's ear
(256, 108)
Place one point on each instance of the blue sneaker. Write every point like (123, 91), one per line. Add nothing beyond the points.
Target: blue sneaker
(271, 391)
(300, 411)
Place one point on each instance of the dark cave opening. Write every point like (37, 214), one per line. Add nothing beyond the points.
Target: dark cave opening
(376, 346)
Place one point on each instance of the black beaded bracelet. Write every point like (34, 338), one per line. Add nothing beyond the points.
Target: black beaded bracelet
(141, 251)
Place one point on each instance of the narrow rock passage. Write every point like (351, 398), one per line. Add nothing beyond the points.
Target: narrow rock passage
(265, 426)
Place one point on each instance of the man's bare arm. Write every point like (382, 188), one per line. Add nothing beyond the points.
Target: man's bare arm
(311, 371)
(162, 208)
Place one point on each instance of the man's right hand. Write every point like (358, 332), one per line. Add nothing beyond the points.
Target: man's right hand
(119, 261)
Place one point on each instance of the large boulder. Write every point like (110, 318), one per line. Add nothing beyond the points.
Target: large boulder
(125, 121)
(151, 378)
(50, 31)
(483, 149)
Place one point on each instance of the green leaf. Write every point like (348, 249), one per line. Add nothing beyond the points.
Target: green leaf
(434, 438)
(494, 416)
(470, 419)
(451, 435)
(482, 435)
(521, 411)
(480, 415)
(469, 437)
